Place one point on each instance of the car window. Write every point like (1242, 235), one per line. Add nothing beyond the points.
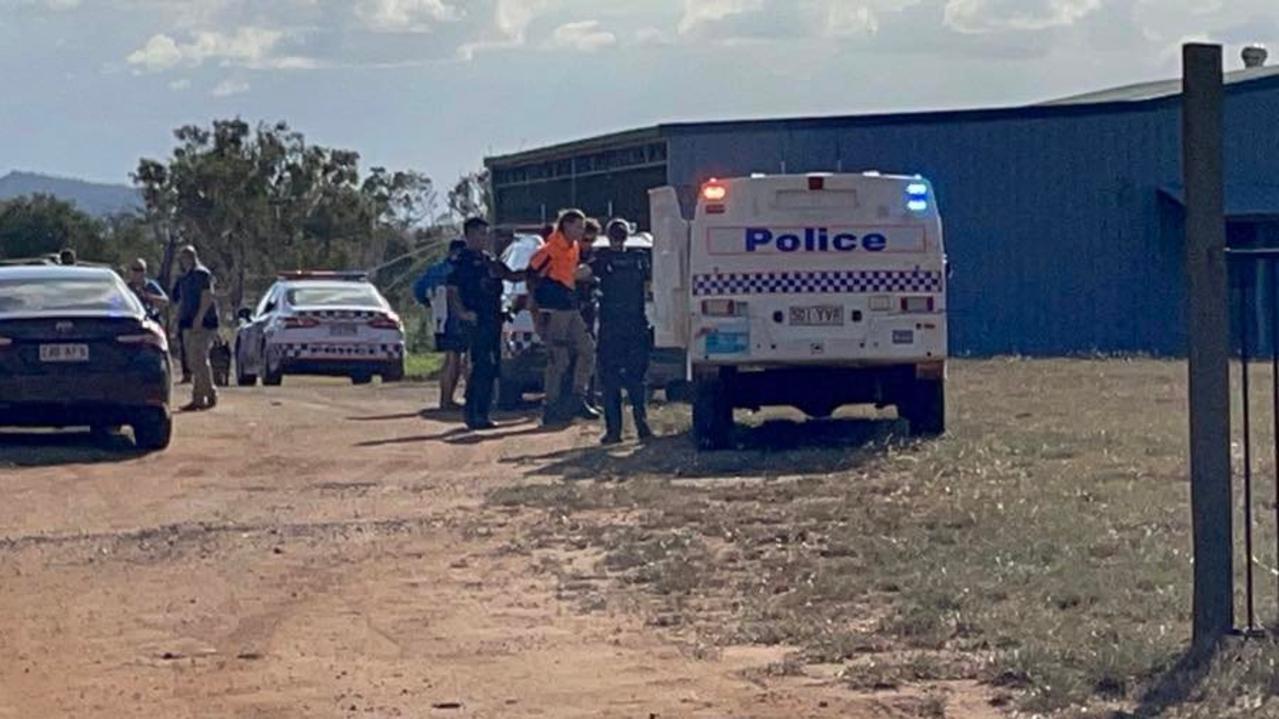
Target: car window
(349, 294)
(266, 302)
(66, 294)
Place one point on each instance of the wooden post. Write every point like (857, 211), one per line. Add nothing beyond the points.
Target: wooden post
(1209, 332)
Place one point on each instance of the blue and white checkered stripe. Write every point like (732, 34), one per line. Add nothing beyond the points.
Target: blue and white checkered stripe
(320, 349)
(821, 282)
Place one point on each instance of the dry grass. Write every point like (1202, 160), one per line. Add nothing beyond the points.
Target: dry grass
(1042, 546)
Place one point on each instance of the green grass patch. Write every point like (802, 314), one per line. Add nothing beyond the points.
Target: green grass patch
(424, 366)
(1042, 546)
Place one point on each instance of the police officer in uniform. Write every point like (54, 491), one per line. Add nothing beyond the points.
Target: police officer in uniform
(475, 295)
(624, 334)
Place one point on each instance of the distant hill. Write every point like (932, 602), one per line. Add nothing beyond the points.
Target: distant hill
(94, 198)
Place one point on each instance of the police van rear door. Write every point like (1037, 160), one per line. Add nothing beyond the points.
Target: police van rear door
(809, 268)
(670, 269)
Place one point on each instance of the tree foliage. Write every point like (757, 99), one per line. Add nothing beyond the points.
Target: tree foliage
(256, 201)
(39, 225)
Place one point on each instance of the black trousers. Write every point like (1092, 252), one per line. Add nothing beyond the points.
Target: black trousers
(486, 358)
(623, 365)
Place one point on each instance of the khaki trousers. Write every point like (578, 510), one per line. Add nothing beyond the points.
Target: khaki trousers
(569, 344)
(195, 345)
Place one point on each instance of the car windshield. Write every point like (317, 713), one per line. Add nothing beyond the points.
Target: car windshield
(37, 295)
(345, 295)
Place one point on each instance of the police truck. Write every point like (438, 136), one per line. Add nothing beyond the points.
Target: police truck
(811, 291)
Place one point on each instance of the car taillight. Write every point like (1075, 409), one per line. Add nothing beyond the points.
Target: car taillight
(145, 339)
(297, 323)
(384, 323)
(723, 308)
(5, 342)
(917, 305)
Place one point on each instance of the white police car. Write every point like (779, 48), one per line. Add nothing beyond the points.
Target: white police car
(320, 323)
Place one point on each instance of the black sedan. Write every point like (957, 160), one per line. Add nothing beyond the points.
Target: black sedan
(77, 349)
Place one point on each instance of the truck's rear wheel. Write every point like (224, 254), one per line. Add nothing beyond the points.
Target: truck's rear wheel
(924, 408)
(712, 414)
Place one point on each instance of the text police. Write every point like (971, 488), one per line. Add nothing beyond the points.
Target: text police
(813, 239)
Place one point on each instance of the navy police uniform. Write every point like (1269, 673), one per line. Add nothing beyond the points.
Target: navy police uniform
(480, 291)
(625, 337)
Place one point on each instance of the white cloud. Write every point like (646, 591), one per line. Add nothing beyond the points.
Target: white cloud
(844, 19)
(510, 22)
(180, 85)
(981, 16)
(230, 87)
(405, 15)
(160, 53)
(650, 36)
(701, 12)
(582, 36)
(251, 47)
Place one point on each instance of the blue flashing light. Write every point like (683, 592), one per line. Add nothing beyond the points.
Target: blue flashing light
(917, 189)
(917, 205)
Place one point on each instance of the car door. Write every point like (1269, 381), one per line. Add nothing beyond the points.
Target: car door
(253, 332)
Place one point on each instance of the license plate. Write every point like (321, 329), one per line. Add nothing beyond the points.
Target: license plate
(820, 316)
(343, 330)
(64, 353)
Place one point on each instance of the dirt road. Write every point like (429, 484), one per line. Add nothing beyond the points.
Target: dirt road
(322, 550)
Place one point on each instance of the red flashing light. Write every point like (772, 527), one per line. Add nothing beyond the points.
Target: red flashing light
(714, 192)
(816, 182)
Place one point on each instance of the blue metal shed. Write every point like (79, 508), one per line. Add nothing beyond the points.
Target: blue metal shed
(1063, 221)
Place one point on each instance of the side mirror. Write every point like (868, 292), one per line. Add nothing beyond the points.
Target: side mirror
(244, 315)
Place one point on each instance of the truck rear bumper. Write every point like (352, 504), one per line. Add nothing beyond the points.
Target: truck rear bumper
(820, 389)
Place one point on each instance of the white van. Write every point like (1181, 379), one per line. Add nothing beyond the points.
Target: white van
(812, 291)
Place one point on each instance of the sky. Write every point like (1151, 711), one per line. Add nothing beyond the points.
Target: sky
(87, 87)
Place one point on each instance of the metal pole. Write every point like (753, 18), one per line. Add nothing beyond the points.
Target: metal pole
(1209, 351)
(1245, 299)
(1274, 387)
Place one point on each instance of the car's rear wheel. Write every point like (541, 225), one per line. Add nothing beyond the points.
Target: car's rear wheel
(153, 430)
(924, 408)
(271, 376)
(394, 372)
(362, 378)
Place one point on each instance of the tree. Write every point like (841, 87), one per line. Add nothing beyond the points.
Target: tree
(42, 225)
(256, 201)
(471, 196)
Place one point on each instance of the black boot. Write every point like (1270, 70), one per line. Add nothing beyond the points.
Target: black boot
(641, 420)
(612, 415)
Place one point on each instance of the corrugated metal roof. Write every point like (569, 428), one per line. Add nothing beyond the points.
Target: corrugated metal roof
(1115, 100)
(1144, 91)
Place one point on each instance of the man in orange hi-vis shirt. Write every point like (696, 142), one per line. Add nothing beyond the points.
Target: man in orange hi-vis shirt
(556, 267)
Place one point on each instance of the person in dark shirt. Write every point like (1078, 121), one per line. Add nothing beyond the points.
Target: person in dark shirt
(147, 290)
(198, 324)
(587, 287)
(475, 297)
(624, 332)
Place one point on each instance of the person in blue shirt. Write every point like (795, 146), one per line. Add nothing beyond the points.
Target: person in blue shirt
(147, 290)
(451, 336)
